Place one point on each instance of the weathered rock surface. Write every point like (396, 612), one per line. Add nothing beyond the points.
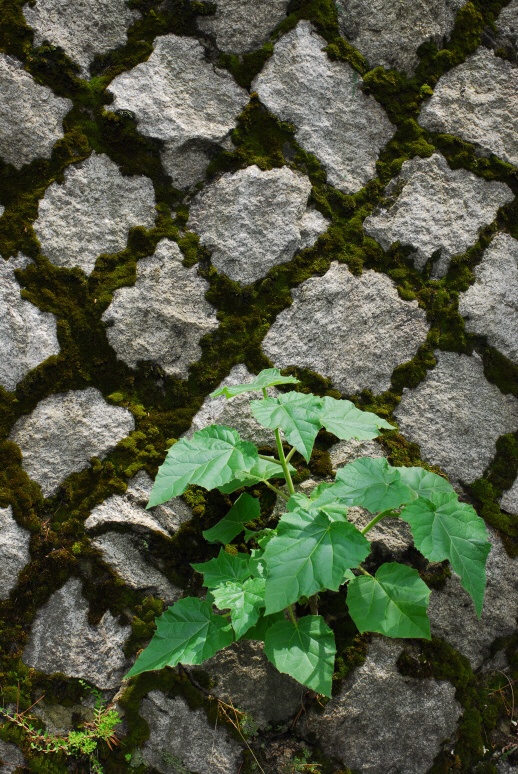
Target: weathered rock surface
(389, 32)
(31, 116)
(10, 758)
(456, 416)
(164, 315)
(123, 554)
(507, 29)
(509, 501)
(453, 616)
(344, 452)
(27, 335)
(92, 212)
(235, 412)
(490, 306)
(477, 101)
(129, 510)
(244, 677)
(436, 210)
(181, 740)
(14, 551)
(83, 28)
(178, 97)
(253, 220)
(376, 696)
(64, 431)
(62, 640)
(354, 330)
(334, 119)
(239, 26)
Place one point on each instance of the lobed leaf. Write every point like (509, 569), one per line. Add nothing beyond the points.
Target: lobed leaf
(210, 459)
(373, 484)
(258, 631)
(245, 509)
(296, 414)
(444, 528)
(394, 602)
(224, 568)
(343, 419)
(262, 470)
(423, 482)
(269, 377)
(187, 633)
(305, 651)
(244, 600)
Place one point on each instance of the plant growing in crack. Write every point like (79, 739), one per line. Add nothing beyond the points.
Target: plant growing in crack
(259, 594)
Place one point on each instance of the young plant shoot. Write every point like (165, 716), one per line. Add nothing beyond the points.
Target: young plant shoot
(313, 547)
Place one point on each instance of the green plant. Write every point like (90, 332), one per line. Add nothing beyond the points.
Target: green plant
(80, 743)
(313, 547)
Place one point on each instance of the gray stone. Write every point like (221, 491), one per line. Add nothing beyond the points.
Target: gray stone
(164, 315)
(239, 26)
(334, 119)
(245, 678)
(62, 640)
(122, 553)
(509, 501)
(507, 29)
(453, 616)
(392, 537)
(83, 28)
(235, 412)
(27, 335)
(436, 211)
(477, 101)
(129, 510)
(14, 551)
(456, 416)
(389, 32)
(31, 116)
(10, 758)
(187, 165)
(253, 220)
(344, 452)
(491, 304)
(181, 740)
(64, 431)
(383, 721)
(91, 212)
(178, 97)
(354, 330)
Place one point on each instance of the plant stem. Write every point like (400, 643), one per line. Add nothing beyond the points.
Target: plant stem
(277, 491)
(290, 454)
(379, 517)
(364, 572)
(269, 459)
(285, 469)
(292, 615)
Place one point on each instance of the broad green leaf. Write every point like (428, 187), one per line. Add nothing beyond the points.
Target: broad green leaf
(444, 528)
(306, 651)
(394, 602)
(261, 536)
(225, 567)
(310, 552)
(343, 419)
(210, 458)
(261, 471)
(424, 482)
(296, 414)
(373, 484)
(187, 633)
(245, 509)
(258, 632)
(348, 576)
(325, 501)
(267, 378)
(244, 600)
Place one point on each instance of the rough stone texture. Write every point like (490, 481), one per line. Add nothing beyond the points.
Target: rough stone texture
(164, 315)
(244, 677)
(14, 551)
(342, 126)
(64, 431)
(129, 510)
(453, 616)
(10, 758)
(181, 739)
(509, 501)
(491, 304)
(344, 452)
(354, 330)
(253, 220)
(83, 28)
(507, 29)
(239, 26)
(31, 116)
(178, 97)
(368, 727)
(389, 32)
(477, 101)
(456, 416)
(234, 412)
(92, 212)
(62, 640)
(27, 335)
(123, 554)
(436, 210)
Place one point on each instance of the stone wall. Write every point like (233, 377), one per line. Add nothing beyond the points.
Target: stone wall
(193, 191)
